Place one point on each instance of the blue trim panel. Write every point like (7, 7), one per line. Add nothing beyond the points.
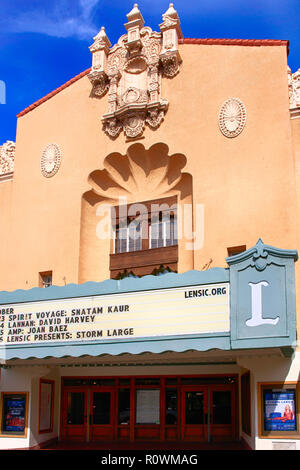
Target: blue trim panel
(111, 286)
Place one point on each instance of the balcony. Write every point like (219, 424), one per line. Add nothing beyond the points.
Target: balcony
(144, 262)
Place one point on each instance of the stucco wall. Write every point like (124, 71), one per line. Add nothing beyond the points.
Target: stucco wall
(268, 369)
(27, 379)
(6, 189)
(245, 184)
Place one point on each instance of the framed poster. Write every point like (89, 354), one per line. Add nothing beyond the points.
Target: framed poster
(14, 414)
(46, 404)
(279, 415)
(280, 410)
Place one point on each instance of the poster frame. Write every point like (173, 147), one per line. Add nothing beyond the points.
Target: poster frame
(270, 434)
(8, 434)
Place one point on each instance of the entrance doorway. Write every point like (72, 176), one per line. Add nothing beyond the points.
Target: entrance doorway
(185, 408)
(88, 414)
(208, 413)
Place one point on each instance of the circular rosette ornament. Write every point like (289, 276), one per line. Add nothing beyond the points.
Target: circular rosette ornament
(232, 117)
(50, 161)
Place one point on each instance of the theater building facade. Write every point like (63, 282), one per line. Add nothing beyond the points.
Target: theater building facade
(150, 233)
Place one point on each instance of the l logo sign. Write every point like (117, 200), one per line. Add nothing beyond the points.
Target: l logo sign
(256, 300)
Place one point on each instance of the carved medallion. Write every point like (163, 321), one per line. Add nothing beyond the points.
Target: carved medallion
(50, 160)
(232, 117)
(134, 124)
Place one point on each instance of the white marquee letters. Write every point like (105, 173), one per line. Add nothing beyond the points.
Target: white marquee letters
(256, 302)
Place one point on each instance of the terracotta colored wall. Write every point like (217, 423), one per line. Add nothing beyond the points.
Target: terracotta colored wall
(295, 127)
(245, 184)
(6, 189)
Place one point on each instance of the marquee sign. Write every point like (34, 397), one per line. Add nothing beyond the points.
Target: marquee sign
(180, 311)
(249, 305)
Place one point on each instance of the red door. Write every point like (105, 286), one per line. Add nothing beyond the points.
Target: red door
(101, 414)
(222, 413)
(194, 414)
(74, 418)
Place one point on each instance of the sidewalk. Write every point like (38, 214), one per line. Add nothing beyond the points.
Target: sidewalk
(125, 445)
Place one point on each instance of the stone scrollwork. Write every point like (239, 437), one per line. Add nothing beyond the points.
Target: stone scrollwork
(260, 256)
(232, 117)
(155, 117)
(294, 92)
(132, 70)
(7, 157)
(170, 64)
(100, 84)
(112, 127)
(134, 124)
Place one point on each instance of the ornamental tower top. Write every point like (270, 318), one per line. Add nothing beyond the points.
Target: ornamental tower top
(131, 72)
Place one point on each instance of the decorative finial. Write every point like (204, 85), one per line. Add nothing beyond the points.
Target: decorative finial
(133, 27)
(135, 14)
(101, 40)
(171, 12)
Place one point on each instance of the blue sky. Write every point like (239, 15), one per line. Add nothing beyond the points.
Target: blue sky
(44, 43)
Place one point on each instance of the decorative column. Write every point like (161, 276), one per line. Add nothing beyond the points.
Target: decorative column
(97, 76)
(153, 82)
(112, 125)
(171, 31)
(114, 76)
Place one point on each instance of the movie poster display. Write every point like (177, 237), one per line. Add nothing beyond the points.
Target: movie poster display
(14, 414)
(202, 309)
(280, 410)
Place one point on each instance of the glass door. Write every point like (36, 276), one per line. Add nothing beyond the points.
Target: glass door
(74, 419)
(222, 416)
(195, 414)
(101, 415)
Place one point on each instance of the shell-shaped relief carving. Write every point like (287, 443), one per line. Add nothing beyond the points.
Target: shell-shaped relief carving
(232, 117)
(139, 175)
(50, 160)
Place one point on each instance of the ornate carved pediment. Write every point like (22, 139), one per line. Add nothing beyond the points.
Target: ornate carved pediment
(131, 72)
